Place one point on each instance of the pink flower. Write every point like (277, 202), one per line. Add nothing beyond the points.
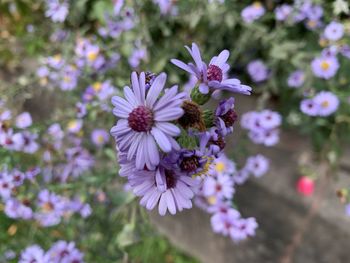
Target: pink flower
(305, 186)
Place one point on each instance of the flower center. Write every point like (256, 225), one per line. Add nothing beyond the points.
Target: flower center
(170, 179)
(214, 73)
(192, 116)
(325, 65)
(189, 164)
(141, 119)
(229, 118)
(325, 104)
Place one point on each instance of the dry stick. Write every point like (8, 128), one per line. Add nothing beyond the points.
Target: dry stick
(315, 205)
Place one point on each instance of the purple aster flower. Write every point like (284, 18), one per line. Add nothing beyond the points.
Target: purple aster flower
(328, 103)
(166, 7)
(55, 62)
(345, 51)
(243, 228)
(223, 165)
(313, 12)
(309, 107)
(15, 209)
(51, 208)
(99, 137)
(211, 77)
(334, 31)
(325, 67)
(166, 187)
(145, 120)
(74, 126)
(32, 254)
(69, 78)
(296, 79)
(10, 141)
(266, 137)
(6, 184)
(252, 12)
(17, 177)
(220, 186)
(191, 161)
(104, 90)
(223, 223)
(31, 173)
(269, 119)
(62, 252)
(241, 176)
(137, 56)
(282, 12)
(23, 120)
(29, 144)
(80, 109)
(257, 165)
(56, 11)
(225, 116)
(258, 71)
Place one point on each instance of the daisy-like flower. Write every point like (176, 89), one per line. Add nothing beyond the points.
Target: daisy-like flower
(32, 254)
(211, 77)
(56, 10)
(145, 120)
(220, 186)
(282, 12)
(334, 31)
(252, 12)
(296, 79)
(24, 120)
(99, 137)
(258, 71)
(226, 116)
(258, 165)
(325, 67)
(309, 107)
(328, 103)
(166, 187)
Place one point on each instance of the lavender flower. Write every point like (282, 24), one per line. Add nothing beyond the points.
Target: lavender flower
(211, 77)
(296, 79)
(252, 12)
(328, 103)
(32, 254)
(309, 107)
(15, 209)
(225, 116)
(258, 71)
(334, 31)
(282, 12)
(62, 251)
(257, 165)
(145, 120)
(99, 137)
(24, 120)
(56, 10)
(325, 67)
(220, 186)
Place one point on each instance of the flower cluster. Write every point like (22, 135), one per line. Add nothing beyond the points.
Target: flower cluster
(61, 251)
(263, 126)
(322, 104)
(166, 142)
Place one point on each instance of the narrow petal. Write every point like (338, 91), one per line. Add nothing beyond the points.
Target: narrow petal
(136, 87)
(140, 155)
(168, 128)
(182, 65)
(152, 150)
(203, 88)
(161, 139)
(170, 202)
(130, 97)
(155, 90)
(121, 103)
(162, 205)
(222, 58)
(168, 114)
(122, 127)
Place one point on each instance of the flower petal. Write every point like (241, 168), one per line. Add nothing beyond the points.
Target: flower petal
(155, 90)
(161, 139)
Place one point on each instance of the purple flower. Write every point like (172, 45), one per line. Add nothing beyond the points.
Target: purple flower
(29, 144)
(145, 120)
(328, 103)
(269, 119)
(191, 161)
(51, 208)
(220, 186)
(257, 165)
(225, 116)
(62, 252)
(243, 228)
(32, 254)
(99, 137)
(296, 79)
(282, 12)
(334, 31)
(223, 223)
(10, 141)
(211, 77)
(80, 109)
(166, 187)
(74, 126)
(6, 184)
(166, 7)
(258, 71)
(136, 57)
(56, 10)
(223, 165)
(15, 209)
(325, 67)
(118, 4)
(309, 107)
(252, 12)
(24, 120)
(69, 78)
(241, 176)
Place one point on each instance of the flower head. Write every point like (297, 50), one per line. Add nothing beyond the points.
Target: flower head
(325, 67)
(334, 31)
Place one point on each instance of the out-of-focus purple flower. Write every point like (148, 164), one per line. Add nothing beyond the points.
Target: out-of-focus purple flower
(334, 31)
(325, 67)
(11, 141)
(74, 126)
(6, 184)
(15, 209)
(63, 251)
(51, 208)
(296, 79)
(103, 90)
(23, 120)
(32, 254)
(243, 228)
(223, 223)
(225, 116)
(69, 77)
(240, 176)
(55, 62)
(257, 165)
(137, 56)
(99, 137)
(258, 71)
(29, 144)
(309, 107)
(211, 77)
(166, 7)
(282, 12)
(118, 4)
(223, 165)
(145, 120)
(220, 186)
(345, 51)
(328, 103)
(80, 109)
(252, 12)
(56, 10)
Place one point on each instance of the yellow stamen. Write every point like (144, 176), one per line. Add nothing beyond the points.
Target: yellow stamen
(219, 167)
(325, 65)
(92, 56)
(97, 86)
(325, 104)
